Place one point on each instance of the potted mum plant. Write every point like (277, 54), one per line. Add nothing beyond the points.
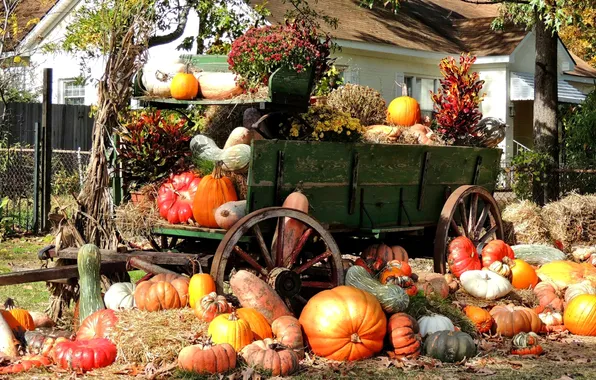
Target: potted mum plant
(152, 144)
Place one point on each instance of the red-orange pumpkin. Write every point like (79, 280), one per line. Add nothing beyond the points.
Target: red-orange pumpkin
(495, 250)
(404, 335)
(214, 190)
(98, 325)
(164, 291)
(510, 320)
(462, 256)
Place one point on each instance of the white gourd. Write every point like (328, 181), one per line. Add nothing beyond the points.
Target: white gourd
(120, 296)
(433, 323)
(205, 148)
(485, 284)
(239, 135)
(236, 158)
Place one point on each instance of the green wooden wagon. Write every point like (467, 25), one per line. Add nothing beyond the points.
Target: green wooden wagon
(357, 192)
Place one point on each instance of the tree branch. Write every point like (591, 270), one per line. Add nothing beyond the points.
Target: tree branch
(182, 19)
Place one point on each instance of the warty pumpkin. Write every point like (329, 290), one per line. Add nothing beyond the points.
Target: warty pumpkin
(184, 86)
(433, 283)
(164, 291)
(510, 320)
(404, 335)
(526, 344)
(175, 197)
(207, 358)
(84, 355)
(580, 315)
(462, 256)
(214, 190)
(261, 329)
(211, 306)
(228, 328)
(271, 357)
(39, 343)
(344, 323)
(480, 317)
(287, 331)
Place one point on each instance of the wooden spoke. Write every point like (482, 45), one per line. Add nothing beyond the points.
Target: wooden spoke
(279, 249)
(263, 246)
(291, 260)
(455, 228)
(312, 262)
(252, 262)
(488, 234)
(481, 220)
(472, 218)
(317, 284)
(300, 299)
(464, 217)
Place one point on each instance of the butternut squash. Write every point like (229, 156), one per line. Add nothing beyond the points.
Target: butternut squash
(229, 213)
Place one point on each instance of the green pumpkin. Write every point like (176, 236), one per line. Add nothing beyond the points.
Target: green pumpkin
(392, 298)
(89, 264)
(450, 346)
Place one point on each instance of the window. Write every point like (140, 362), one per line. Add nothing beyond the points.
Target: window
(73, 92)
(420, 89)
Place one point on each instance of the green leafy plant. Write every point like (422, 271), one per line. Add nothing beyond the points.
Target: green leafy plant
(361, 102)
(580, 139)
(529, 166)
(261, 51)
(324, 123)
(153, 144)
(332, 79)
(458, 98)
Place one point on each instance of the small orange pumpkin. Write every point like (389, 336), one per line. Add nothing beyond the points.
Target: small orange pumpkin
(22, 317)
(184, 86)
(213, 191)
(481, 318)
(257, 322)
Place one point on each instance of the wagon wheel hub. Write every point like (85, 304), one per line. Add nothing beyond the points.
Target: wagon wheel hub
(286, 282)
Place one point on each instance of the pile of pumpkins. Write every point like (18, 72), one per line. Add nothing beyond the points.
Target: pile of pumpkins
(565, 290)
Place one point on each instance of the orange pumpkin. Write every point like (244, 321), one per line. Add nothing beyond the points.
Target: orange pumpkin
(378, 255)
(22, 317)
(510, 320)
(287, 331)
(207, 358)
(404, 110)
(549, 296)
(404, 334)
(344, 323)
(200, 285)
(523, 275)
(164, 291)
(481, 318)
(580, 315)
(257, 322)
(211, 306)
(184, 86)
(213, 191)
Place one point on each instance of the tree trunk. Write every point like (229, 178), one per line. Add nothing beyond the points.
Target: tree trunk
(546, 139)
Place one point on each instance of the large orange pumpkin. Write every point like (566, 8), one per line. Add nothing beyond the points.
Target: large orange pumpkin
(510, 320)
(580, 315)
(164, 291)
(565, 273)
(213, 191)
(344, 323)
(98, 325)
(523, 276)
(184, 86)
(404, 111)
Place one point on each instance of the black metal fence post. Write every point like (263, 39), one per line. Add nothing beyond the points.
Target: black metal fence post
(46, 125)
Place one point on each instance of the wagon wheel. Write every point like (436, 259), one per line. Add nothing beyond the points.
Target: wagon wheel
(470, 211)
(314, 264)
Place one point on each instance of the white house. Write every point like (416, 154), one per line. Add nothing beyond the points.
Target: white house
(381, 50)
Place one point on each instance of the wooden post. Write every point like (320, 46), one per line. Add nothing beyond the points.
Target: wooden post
(46, 127)
(36, 157)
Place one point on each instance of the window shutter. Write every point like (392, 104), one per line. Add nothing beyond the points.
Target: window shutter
(400, 79)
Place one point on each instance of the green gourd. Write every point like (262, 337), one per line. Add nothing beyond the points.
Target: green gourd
(392, 298)
(89, 264)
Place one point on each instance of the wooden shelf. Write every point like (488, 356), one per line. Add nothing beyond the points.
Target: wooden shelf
(205, 102)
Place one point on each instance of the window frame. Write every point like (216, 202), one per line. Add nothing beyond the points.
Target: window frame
(81, 91)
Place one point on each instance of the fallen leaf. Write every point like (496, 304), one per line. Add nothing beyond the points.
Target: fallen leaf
(515, 365)
(385, 361)
(28, 287)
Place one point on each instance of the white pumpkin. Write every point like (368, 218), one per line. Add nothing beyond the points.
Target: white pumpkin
(157, 79)
(551, 319)
(236, 158)
(574, 290)
(120, 296)
(433, 323)
(485, 284)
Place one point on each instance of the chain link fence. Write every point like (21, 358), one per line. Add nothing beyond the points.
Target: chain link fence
(17, 173)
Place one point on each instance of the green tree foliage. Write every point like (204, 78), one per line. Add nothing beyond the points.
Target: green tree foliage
(580, 134)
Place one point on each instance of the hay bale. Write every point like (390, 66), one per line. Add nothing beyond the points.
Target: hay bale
(524, 225)
(144, 337)
(572, 220)
(135, 221)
